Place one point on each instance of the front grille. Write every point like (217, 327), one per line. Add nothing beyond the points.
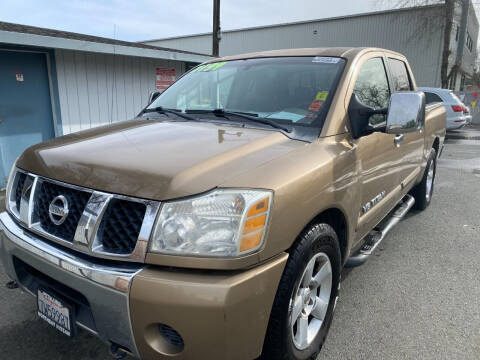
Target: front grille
(89, 221)
(120, 227)
(77, 200)
(18, 190)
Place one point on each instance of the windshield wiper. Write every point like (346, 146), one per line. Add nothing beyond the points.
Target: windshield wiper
(162, 110)
(245, 115)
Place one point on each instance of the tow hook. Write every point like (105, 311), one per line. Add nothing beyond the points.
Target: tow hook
(117, 352)
(11, 285)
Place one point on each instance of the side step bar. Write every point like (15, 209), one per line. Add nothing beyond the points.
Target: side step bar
(376, 236)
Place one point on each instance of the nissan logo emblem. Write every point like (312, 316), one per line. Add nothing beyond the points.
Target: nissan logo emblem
(58, 210)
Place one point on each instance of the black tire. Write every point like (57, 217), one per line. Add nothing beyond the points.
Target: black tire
(279, 345)
(419, 192)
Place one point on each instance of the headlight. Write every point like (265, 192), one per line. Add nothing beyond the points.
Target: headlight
(223, 223)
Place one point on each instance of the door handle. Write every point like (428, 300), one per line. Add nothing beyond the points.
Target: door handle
(398, 139)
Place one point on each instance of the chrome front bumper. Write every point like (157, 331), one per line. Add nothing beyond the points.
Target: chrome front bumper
(105, 287)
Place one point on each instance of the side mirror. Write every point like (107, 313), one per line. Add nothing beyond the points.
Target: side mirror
(153, 96)
(359, 115)
(406, 112)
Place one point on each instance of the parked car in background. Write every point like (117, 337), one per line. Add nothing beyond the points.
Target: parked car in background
(467, 111)
(456, 116)
(468, 114)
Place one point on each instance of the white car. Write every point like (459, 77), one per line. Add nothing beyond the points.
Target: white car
(467, 111)
(456, 116)
(468, 114)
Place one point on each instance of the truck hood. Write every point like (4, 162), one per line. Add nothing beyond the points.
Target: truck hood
(157, 160)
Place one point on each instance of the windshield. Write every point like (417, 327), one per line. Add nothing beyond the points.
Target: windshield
(290, 90)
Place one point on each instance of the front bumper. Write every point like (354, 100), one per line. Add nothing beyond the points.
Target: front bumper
(218, 314)
(99, 293)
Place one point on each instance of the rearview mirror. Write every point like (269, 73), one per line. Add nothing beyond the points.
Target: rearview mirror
(406, 112)
(153, 96)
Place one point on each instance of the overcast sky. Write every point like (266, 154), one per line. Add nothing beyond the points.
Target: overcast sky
(136, 20)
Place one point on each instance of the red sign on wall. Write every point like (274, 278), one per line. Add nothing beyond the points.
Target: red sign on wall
(164, 78)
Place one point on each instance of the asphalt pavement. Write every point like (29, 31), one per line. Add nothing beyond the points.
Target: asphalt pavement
(418, 297)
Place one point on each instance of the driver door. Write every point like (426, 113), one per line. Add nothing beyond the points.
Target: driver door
(376, 153)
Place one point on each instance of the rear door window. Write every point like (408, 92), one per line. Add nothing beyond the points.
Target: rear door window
(400, 78)
(431, 98)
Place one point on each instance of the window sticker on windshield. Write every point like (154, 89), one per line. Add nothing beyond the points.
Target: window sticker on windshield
(321, 95)
(218, 65)
(209, 67)
(326, 60)
(199, 68)
(315, 105)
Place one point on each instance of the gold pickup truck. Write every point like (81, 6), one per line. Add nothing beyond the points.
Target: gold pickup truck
(216, 224)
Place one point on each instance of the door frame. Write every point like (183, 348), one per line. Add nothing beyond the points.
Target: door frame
(52, 82)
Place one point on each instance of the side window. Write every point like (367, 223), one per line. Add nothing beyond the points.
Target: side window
(401, 80)
(431, 98)
(372, 88)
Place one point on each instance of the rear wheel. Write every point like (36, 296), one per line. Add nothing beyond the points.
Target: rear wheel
(306, 297)
(423, 191)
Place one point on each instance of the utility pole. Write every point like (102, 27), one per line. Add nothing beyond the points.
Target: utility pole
(216, 27)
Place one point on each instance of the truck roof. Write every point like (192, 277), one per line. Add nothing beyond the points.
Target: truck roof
(346, 52)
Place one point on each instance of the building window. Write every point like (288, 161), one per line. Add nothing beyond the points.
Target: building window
(462, 83)
(457, 34)
(453, 81)
(469, 42)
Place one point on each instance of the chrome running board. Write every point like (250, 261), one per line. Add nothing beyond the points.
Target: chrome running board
(376, 236)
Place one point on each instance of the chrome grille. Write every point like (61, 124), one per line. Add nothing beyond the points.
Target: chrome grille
(18, 190)
(97, 223)
(77, 200)
(120, 227)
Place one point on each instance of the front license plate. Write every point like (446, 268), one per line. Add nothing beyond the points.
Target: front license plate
(55, 312)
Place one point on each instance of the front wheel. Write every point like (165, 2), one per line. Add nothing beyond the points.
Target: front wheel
(303, 307)
(423, 191)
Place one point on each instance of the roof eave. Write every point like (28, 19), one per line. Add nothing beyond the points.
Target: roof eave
(27, 39)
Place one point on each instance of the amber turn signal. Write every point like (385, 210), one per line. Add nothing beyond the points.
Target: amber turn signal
(254, 227)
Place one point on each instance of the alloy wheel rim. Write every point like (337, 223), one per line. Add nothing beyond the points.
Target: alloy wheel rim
(430, 180)
(310, 300)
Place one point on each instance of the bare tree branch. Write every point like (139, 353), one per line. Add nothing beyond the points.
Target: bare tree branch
(427, 25)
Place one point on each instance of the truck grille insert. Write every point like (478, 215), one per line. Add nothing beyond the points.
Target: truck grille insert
(77, 200)
(18, 191)
(120, 227)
